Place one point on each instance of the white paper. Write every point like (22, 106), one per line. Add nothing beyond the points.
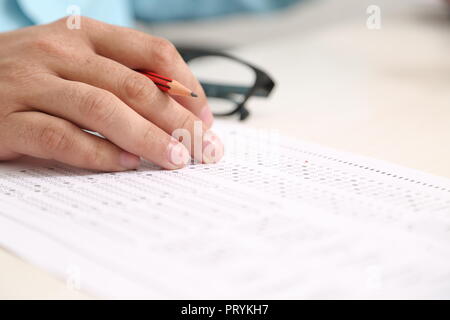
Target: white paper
(276, 219)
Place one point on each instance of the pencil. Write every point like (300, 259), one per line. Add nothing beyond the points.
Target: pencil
(168, 85)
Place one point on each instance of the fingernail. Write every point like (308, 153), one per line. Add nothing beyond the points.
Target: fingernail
(178, 155)
(129, 161)
(213, 149)
(206, 116)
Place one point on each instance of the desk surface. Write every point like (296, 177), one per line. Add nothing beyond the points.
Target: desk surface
(381, 93)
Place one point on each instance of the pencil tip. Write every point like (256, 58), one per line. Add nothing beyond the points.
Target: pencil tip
(194, 95)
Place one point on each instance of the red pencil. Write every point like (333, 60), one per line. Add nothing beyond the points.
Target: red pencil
(168, 85)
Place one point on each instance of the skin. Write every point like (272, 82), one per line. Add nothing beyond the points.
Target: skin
(55, 81)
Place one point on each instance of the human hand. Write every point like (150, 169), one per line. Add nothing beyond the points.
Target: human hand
(55, 81)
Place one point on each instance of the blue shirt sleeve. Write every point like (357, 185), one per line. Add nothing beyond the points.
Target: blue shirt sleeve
(163, 10)
(112, 11)
(12, 16)
(21, 13)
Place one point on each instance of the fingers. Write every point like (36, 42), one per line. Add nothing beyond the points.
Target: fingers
(44, 136)
(138, 50)
(138, 92)
(101, 111)
(6, 155)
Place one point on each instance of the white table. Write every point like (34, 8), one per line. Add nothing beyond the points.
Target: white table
(384, 94)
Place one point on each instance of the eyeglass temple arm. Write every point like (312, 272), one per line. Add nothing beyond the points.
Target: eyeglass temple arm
(263, 86)
(216, 90)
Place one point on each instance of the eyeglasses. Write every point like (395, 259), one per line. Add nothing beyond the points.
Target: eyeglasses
(228, 81)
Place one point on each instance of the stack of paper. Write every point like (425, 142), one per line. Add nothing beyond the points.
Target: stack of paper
(276, 219)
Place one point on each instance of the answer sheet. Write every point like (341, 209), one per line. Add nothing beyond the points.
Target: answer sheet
(278, 218)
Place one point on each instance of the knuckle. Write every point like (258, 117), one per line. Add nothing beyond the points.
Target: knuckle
(136, 87)
(61, 22)
(98, 107)
(54, 139)
(185, 121)
(49, 45)
(95, 158)
(147, 138)
(148, 134)
(90, 22)
(86, 21)
(164, 50)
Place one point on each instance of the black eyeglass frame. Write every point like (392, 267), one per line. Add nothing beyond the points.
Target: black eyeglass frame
(262, 87)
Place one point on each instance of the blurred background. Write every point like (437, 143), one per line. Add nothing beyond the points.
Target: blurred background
(382, 92)
(297, 17)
